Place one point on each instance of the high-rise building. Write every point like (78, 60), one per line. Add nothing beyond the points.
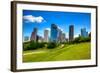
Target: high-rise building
(34, 35)
(84, 33)
(46, 35)
(40, 39)
(71, 32)
(59, 35)
(54, 33)
(63, 37)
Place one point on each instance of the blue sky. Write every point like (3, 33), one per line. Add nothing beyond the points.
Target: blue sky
(43, 20)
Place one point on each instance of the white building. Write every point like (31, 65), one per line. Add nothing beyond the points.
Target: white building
(46, 35)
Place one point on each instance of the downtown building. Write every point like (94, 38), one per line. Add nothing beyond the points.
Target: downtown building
(46, 35)
(84, 33)
(71, 32)
(54, 33)
(63, 37)
(40, 39)
(34, 36)
(59, 35)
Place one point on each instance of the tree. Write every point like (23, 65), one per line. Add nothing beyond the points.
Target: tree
(51, 45)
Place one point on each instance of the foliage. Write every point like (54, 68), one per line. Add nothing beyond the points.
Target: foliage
(51, 45)
(81, 39)
(33, 45)
(26, 46)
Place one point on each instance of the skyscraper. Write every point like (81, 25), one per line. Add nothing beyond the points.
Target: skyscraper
(34, 35)
(40, 39)
(63, 37)
(84, 33)
(54, 33)
(59, 35)
(71, 32)
(46, 35)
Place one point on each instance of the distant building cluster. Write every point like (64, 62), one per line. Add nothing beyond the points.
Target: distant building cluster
(34, 37)
(56, 34)
(84, 33)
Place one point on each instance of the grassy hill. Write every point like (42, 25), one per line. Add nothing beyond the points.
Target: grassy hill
(63, 52)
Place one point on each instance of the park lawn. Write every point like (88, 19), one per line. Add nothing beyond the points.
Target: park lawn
(79, 51)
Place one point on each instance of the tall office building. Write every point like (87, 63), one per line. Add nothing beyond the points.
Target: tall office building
(34, 35)
(84, 33)
(63, 37)
(71, 32)
(54, 33)
(59, 35)
(40, 39)
(46, 35)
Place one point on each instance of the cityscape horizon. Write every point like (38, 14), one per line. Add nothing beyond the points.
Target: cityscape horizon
(39, 20)
(47, 32)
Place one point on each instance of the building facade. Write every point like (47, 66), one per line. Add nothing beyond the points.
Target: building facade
(40, 39)
(71, 32)
(46, 35)
(59, 35)
(34, 35)
(84, 33)
(54, 33)
(63, 37)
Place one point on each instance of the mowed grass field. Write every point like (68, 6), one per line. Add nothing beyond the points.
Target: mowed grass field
(79, 51)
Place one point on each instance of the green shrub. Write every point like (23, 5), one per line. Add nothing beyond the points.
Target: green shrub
(33, 45)
(81, 39)
(51, 45)
(26, 46)
(41, 45)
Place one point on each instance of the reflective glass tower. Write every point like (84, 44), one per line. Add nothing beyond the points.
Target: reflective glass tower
(54, 33)
(84, 33)
(71, 32)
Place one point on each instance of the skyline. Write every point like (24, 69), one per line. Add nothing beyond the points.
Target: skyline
(43, 20)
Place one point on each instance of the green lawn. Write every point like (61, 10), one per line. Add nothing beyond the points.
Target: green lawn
(66, 52)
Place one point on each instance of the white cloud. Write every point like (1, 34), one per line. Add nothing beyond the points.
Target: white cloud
(33, 19)
(47, 29)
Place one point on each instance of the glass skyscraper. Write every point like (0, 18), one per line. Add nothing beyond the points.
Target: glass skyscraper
(71, 32)
(84, 33)
(54, 33)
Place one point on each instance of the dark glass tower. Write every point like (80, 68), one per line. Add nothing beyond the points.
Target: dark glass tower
(54, 33)
(71, 32)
